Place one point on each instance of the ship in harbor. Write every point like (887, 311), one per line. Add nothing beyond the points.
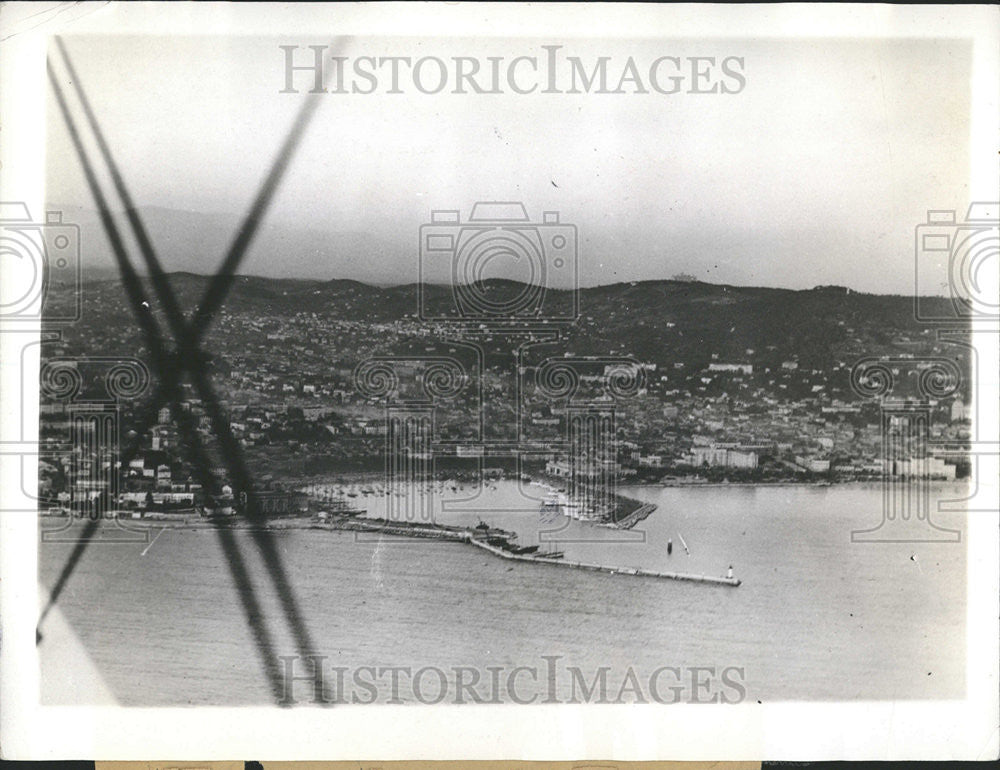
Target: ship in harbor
(506, 542)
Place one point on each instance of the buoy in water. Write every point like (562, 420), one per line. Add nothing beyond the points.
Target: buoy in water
(670, 547)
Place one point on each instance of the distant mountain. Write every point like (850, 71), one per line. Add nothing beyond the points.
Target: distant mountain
(665, 321)
(197, 242)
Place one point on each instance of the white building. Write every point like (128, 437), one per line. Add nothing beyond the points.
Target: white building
(719, 457)
(928, 467)
(736, 368)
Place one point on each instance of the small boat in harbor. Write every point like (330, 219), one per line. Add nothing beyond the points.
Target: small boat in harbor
(487, 530)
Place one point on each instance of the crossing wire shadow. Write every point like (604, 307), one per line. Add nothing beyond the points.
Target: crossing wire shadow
(187, 358)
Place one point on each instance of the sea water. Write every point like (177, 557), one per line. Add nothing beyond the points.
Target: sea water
(817, 616)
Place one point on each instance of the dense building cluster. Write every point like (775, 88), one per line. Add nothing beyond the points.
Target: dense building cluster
(284, 376)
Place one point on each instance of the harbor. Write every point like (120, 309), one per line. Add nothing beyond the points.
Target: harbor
(365, 594)
(344, 511)
(361, 508)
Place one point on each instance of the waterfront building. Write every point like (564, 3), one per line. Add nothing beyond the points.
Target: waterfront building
(813, 464)
(925, 467)
(722, 457)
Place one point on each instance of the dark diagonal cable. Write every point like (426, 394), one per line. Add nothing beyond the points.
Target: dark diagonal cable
(162, 362)
(222, 281)
(190, 351)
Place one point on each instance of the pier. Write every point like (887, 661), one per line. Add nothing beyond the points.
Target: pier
(633, 571)
(478, 539)
(474, 536)
(400, 529)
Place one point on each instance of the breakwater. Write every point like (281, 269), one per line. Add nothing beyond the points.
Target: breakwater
(629, 521)
(399, 528)
(477, 537)
(633, 571)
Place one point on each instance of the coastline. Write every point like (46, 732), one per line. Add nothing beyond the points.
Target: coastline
(369, 477)
(858, 483)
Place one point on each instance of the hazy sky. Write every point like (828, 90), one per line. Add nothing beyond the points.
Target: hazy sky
(816, 172)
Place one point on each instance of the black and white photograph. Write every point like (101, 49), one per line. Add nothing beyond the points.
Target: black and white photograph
(539, 381)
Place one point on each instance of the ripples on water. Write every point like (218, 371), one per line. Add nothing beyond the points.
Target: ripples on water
(817, 617)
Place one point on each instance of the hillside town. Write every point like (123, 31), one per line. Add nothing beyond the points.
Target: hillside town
(286, 383)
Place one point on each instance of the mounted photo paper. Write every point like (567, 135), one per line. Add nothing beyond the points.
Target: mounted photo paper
(525, 382)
